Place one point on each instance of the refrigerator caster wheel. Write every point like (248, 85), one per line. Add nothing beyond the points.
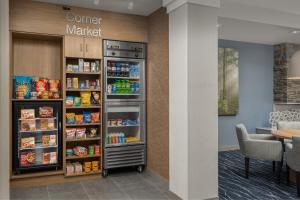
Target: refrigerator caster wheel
(140, 169)
(105, 173)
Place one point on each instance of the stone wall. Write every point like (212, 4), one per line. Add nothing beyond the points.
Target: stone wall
(285, 90)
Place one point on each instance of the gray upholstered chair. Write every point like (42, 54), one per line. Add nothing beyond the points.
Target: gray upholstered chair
(259, 146)
(293, 160)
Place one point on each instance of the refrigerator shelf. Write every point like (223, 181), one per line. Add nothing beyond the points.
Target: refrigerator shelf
(84, 173)
(127, 78)
(38, 146)
(123, 126)
(37, 118)
(123, 94)
(38, 131)
(125, 144)
(81, 157)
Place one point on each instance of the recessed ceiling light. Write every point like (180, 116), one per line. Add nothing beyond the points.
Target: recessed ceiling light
(130, 5)
(96, 2)
(295, 31)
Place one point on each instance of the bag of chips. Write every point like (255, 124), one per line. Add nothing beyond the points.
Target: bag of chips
(79, 119)
(95, 97)
(46, 112)
(87, 118)
(70, 133)
(85, 98)
(70, 118)
(95, 117)
(69, 101)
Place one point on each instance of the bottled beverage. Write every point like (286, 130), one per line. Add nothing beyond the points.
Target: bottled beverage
(108, 68)
(122, 70)
(118, 70)
(118, 86)
(130, 70)
(137, 87)
(137, 75)
(113, 69)
(128, 90)
(127, 70)
(131, 87)
(113, 88)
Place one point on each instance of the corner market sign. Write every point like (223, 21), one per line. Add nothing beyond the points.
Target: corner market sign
(76, 22)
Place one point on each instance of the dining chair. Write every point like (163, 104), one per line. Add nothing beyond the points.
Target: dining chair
(293, 160)
(259, 146)
(287, 125)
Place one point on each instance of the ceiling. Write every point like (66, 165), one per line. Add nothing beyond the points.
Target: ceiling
(137, 7)
(239, 30)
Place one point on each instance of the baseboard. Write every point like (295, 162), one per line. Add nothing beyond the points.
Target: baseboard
(229, 147)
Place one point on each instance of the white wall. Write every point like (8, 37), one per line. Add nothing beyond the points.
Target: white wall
(178, 91)
(193, 88)
(4, 99)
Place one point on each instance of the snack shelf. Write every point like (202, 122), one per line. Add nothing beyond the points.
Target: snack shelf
(83, 173)
(38, 165)
(83, 90)
(83, 139)
(126, 78)
(125, 144)
(83, 107)
(123, 126)
(39, 146)
(89, 124)
(84, 73)
(37, 99)
(38, 131)
(38, 118)
(81, 157)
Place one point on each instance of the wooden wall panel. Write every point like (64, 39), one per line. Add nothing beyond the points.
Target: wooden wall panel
(36, 17)
(37, 58)
(158, 93)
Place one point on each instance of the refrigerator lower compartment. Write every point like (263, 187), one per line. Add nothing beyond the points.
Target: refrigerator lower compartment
(115, 157)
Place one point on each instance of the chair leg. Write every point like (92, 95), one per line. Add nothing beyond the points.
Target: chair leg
(298, 183)
(279, 167)
(287, 175)
(274, 164)
(247, 163)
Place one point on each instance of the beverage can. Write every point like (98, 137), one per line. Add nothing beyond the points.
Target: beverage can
(91, 150)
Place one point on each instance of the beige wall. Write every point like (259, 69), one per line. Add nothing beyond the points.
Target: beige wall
(4, 99)
(158, 93)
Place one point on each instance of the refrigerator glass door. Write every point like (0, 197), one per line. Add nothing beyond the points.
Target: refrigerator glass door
(125, 124)
(124, 79)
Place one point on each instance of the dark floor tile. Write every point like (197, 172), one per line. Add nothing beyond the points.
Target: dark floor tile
(39, 192)
(155, 180)
(66, 195)
(172, 196)
(65, 187)
(131, 181)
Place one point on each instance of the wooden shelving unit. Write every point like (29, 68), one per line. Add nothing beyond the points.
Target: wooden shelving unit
(85, 142)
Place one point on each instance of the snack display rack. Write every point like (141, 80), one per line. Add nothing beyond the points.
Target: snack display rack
(82, 83)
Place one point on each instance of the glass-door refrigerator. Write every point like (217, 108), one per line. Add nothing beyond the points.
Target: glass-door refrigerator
(124, 111)
(37, 143)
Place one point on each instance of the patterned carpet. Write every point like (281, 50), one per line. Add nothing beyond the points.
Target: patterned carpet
(261, 184)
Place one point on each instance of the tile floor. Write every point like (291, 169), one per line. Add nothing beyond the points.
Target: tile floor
(126, 185)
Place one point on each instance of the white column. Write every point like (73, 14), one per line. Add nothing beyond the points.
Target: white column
(4, 99)
(193, 75)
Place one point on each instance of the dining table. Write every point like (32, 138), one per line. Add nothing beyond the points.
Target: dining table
(281, 135)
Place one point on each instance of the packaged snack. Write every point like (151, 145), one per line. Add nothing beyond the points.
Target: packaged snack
(86, 67)
(77, 168)
(28, 125)
(87, 167)
(23, 86)
(79, 119)
(28, 142)
(95, 117)
(69, 101)
(75, 68)
(97, 83)
(96, 149)
(70, 118)
(50, 124)
(80, 133)
(27, 114)
(55, 95)
(93, 67)
(69, 83)
(27, 158)
(96, 98)
(87, 84)
(119, 122)
(70, 169)
(75, 83)
(69, 67)
(80, 63)
(87, 118)
(93, 84)
(52, 140)
(53, 158)
(54, 85)
(92, 132)
(91, 150)
(70, 133)
(80, 151)
(82, 85)
(85, 98)
(95, 166)
(46, 112)
(33, 95)
(45, 140)
(41, 87)
(45, 158)
(44, 124)
(77, 101)
(69, 152)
